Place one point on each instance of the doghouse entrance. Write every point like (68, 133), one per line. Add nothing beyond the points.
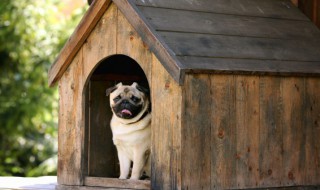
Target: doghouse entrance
(101, 164)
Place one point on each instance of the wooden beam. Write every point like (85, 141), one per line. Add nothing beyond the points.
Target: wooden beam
(76, 40)
(116, 183)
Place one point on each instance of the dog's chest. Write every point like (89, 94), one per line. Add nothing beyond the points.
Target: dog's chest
(124, 135)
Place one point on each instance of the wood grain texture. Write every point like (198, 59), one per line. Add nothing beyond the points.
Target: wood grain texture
(167, 19)
(196, 130)
(294, 135)
(223, 132)
(204, 45)
(71, 124)
(274, 8)
(249, 66)
(166, 126)
(247, 130)
(271, 132)
(312, 130)
(130, 43)
(116, 183)
(102, 41)
(262, 132)
(77, 39)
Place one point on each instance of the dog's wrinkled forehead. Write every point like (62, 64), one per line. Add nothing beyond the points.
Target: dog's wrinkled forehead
(126, 91)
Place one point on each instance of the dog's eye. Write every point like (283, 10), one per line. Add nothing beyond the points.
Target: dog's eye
(135, 99)
(116, 99)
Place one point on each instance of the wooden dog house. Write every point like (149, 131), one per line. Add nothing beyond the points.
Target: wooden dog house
(234, 87)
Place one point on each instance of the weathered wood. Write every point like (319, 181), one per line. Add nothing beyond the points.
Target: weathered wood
(283, 9)
(250, 66)
(196, 134)
(247, 130)
(102, 42)
(294, 135)
(77, 39)
(117, 183)
(312, 130)
(71, 124)
(65, 187)
(204, 45)
(262, 132)
(225, 24)
(166, 126)
(223, 132)
(270, 133)
(134, 46)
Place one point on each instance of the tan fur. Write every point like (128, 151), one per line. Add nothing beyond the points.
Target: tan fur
(132, 138)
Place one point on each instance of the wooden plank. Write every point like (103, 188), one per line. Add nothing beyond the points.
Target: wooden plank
(71, 124)
(116, 183)
(204, 45)
(130, 43)
(250, 66)
(294, 136)
(273, 8)
(196, 133)
(166, 145)
(102, 41)
(223, 132)
(103, 160)
(271, 133)
(153, 40)
(75, 42)
(312, 130)
(247, 131)
(212, 23)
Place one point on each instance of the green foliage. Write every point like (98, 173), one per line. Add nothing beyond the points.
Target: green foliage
(31, 35)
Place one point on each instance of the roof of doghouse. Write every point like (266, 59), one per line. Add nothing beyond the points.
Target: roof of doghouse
(213, 36)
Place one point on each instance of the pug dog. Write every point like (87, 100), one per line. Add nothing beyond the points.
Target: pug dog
(130, 125)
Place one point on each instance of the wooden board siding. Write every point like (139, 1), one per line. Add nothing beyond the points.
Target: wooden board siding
(252, 131)
(166, 126)
(71, 124)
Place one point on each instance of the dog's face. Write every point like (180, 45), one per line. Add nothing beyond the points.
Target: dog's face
(128, 101)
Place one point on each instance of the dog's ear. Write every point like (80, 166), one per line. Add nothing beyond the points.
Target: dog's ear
(112, 89)
(142, 89)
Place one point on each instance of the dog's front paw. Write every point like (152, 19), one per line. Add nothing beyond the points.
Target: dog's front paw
(135, 177)
(122, 177)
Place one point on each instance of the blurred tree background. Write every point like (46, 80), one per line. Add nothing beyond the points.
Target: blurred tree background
(31, 36)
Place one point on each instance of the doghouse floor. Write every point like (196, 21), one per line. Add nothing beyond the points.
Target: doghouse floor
(96, 183)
